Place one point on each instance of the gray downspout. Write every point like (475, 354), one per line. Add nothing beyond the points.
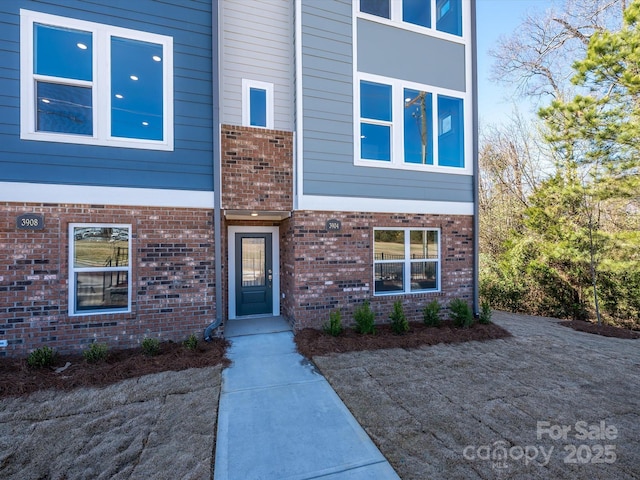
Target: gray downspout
(476, 166)
(217, 238)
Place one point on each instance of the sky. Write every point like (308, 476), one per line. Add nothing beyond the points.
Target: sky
(496, 18)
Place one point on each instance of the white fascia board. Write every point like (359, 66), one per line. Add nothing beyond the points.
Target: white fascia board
(378, 205)
(81, 194)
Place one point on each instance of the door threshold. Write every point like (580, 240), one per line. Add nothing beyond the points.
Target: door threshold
(255, 325)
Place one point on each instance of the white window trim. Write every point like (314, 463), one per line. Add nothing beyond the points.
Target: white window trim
(408, 261)
(247, 85)
(101, 84)
(397, 127)
(73, 270)
(396, 21)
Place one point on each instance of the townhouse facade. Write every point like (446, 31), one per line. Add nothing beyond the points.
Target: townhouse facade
(167, 167)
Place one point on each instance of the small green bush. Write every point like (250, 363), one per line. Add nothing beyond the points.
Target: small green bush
(41, 357)
(399, 323)
(96, 352)
(191, 343)
(334, 326)
(365, 319)
(485, 313)
(460, 313)
(151, 346)
(431, 314)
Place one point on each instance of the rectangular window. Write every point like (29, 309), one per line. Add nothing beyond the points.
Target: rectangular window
(100, 269)
(379, 8)
(376, 121)
(448, 13)
(89, 83)
(409, 127)
(257, 104)
(406, 260)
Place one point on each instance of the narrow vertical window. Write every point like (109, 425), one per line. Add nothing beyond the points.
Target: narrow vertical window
(136, 89)
(418, 128)
(376, 121)
(449, 16)
(257, 104)
(450, 132)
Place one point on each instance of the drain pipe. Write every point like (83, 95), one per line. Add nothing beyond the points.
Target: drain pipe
(217, 184)
(476, 166)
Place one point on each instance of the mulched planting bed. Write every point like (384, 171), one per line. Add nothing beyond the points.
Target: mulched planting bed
(604, 330)
(312, 342)
(17, 378)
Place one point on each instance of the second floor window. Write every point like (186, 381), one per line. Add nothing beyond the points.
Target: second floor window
(257, 104)
(409, 127)
(447, 13)
(84, 82)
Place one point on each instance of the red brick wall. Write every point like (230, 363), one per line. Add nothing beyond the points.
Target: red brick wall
(257, 169)
(173, 278)
(325, 270)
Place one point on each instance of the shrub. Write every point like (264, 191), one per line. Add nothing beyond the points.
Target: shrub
(485, 313)
(151, 346)
(96, 352)
(399, 323)
(334, 326)
(460, 313)
(365, 319)
(191, 343)
(431, 314)
(41, 357)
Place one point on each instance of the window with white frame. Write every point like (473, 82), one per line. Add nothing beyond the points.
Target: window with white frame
(406, 260)
(99, 269)
(447, 13)
(410, 127)
(89, 83)
(257, 104)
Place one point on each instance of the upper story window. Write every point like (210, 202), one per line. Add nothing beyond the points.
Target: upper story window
(257, 104)
(447, 13)
(100, 269)
(89, 83)
(411, 128)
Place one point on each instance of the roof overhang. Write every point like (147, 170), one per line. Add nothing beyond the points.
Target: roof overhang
(271, 215)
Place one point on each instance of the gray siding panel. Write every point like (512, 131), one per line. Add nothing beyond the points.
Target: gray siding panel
(257, 44)
(327, 84)
(188, 167)
(397, 53)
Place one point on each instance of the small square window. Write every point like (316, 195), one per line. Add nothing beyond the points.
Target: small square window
(257, 104)
(379, 8)
(100, 269)
(449, 16)
(417, 12)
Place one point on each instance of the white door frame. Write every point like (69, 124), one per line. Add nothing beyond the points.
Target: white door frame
(231, 262)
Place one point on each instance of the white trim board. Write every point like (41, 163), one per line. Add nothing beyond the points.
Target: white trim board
(82, 194)
(382, 205)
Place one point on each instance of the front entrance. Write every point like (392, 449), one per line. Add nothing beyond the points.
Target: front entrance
(254, 274)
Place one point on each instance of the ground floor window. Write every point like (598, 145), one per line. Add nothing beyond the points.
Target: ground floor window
(100, 268)
(406, 260)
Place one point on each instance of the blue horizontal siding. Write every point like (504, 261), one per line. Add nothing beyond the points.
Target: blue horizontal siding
(188, 167)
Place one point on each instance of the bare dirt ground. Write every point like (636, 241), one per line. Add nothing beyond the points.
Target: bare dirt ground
(445, 410)
(548, 402)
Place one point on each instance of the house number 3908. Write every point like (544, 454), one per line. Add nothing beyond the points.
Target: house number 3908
(30, 221)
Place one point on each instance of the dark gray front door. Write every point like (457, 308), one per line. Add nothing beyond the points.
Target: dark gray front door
(254, 274)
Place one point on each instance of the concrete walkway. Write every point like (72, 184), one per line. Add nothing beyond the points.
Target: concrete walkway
(279, 419)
